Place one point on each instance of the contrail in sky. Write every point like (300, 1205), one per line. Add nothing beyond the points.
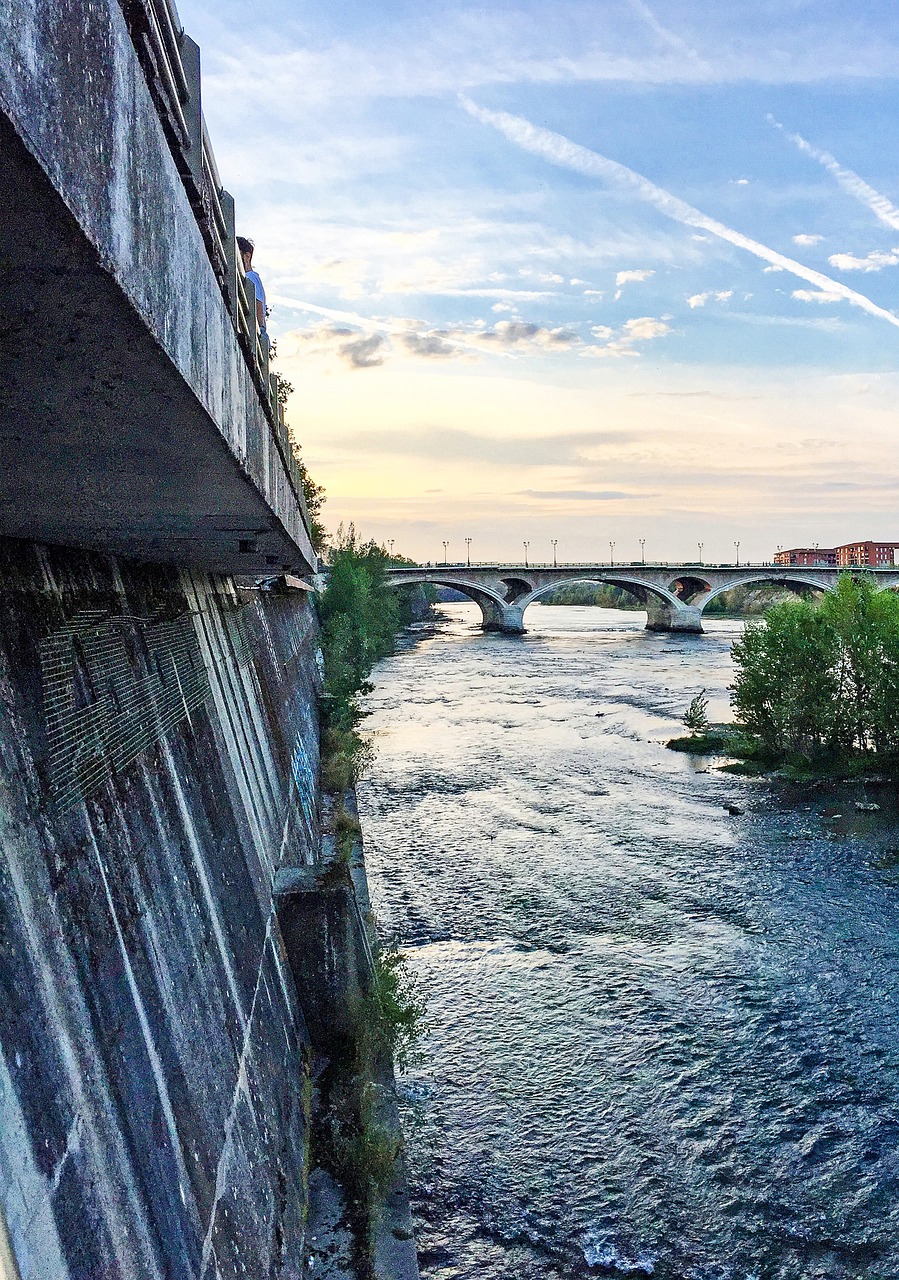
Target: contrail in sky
(329, 313)
(879, 205)
(668, 37)
(570, 155)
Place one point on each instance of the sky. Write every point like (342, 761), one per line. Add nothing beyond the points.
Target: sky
(591, 270)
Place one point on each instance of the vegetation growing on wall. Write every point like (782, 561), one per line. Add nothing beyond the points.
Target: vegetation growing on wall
(314, 496)
(360, 615)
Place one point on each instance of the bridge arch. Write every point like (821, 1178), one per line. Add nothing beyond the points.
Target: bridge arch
(689, 586)
(793, 582)
(491, 603)
(642, 591)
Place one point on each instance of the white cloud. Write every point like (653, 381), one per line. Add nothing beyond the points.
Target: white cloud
(742, 182)
(700, 299)
(851, 183)
(621, 343)
(817, 295)
(631, 277)
(645, 328)
(807, 240)
(875, 261)
(625, 277)
(768, 271)
(570, 155)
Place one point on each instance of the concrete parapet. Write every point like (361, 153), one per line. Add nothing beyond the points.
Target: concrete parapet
(131, 420)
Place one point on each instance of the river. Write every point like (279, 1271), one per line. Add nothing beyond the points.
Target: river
(663, 1038)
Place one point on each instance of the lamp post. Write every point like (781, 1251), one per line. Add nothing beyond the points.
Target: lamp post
(554, 541)
(468, 553)
(390, 542)
(643, 551)
(611, 553)
(699, 544)
(445, 552)
(526, 545)
(737, 548)
(815, 545)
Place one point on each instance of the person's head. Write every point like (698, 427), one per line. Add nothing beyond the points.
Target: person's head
(246, 251)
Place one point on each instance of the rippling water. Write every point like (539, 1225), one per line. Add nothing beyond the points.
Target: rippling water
(664, 1040)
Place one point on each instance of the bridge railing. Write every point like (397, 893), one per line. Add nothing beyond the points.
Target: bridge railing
(625, 565)
(170, 61)
(601, 564)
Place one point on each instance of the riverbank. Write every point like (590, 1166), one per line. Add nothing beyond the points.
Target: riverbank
(746, 755)
(360, 1225)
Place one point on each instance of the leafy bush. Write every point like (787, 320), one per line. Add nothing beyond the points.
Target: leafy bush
(360, 616)
(396, 1007)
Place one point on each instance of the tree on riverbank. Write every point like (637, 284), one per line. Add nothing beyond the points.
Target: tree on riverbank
(821, 680)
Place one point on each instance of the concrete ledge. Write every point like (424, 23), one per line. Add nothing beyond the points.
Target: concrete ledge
(328, 952)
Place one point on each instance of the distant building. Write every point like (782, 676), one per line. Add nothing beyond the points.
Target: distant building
(873, 555)
(852, 555)
(807, 556)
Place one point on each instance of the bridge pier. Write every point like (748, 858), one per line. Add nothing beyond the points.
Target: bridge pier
(663, 617)
(508, 618)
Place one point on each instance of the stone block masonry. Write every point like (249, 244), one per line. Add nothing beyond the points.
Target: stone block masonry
(158, 762)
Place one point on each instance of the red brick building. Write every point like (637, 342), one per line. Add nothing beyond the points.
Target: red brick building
(852, 555)
(807, 556)
(872, 555)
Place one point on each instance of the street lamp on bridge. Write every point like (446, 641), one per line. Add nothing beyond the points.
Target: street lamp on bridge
(554, 541)
(699, 544)
(526, 545)
(643, 551)
(390, 542)
(445, 552)
(468, 553)
(611, 553)
(737, 548)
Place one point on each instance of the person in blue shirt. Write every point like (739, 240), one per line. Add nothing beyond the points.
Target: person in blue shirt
(246, 252)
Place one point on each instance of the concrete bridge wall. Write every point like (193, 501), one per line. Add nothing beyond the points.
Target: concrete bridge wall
(674, 595)
(130, 418)
(158, 763)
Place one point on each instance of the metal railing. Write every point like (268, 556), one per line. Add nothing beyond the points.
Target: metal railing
(171, 64)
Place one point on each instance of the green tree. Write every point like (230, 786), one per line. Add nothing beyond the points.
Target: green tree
(823, 679)
(314, 495)
(784, 690)
(696, 716)
(360, 617)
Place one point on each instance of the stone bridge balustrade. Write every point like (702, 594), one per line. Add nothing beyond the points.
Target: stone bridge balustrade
(674, 596)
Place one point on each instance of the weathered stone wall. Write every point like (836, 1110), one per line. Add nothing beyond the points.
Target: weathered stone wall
(158, 761)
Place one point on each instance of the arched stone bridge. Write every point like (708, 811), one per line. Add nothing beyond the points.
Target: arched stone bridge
(674, 596)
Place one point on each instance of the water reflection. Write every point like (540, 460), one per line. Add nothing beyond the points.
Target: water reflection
(665, 1038)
